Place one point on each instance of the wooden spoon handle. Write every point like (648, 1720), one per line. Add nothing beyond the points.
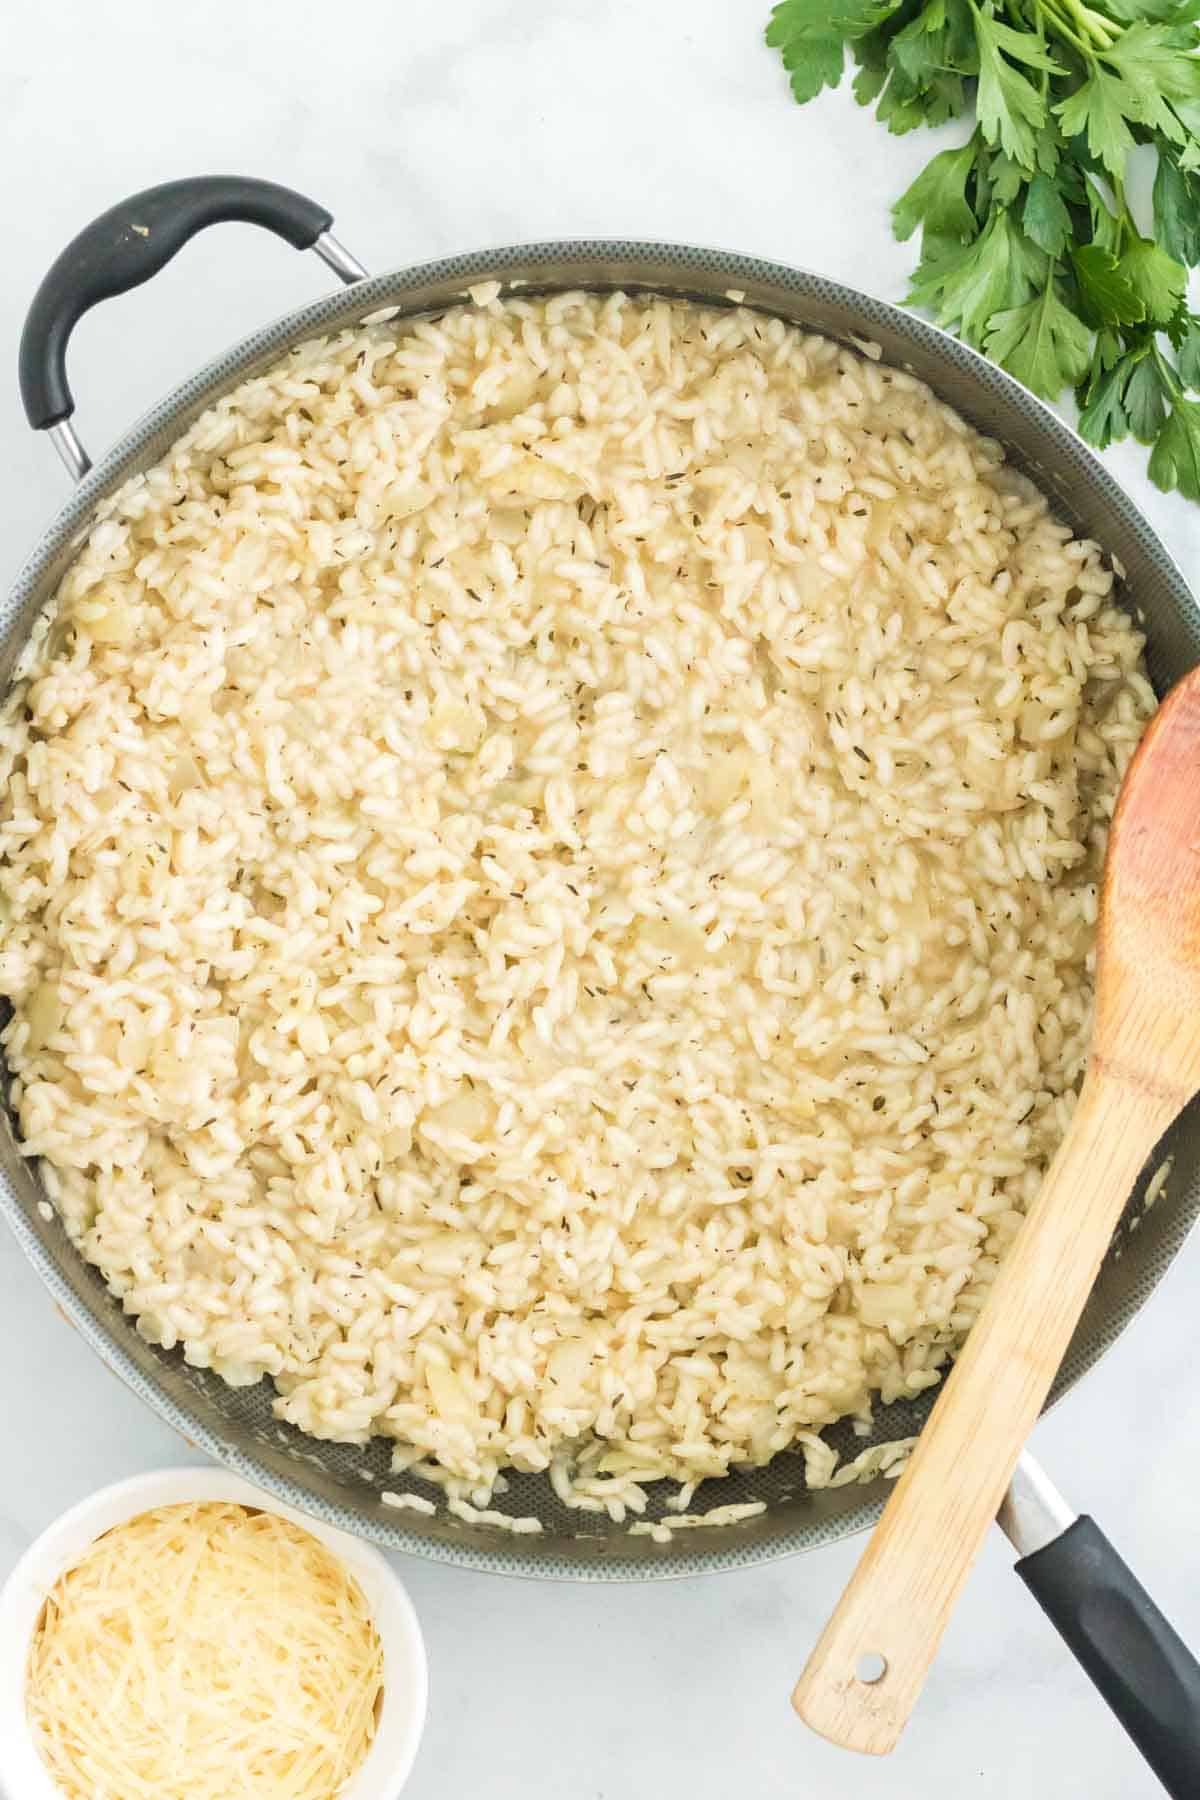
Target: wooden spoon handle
(899, 1599)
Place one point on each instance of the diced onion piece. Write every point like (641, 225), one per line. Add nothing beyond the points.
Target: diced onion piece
(883, 1303)
(44, 1014)
(448, 1393)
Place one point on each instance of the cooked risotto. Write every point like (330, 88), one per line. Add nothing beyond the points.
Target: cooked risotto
(550, 866)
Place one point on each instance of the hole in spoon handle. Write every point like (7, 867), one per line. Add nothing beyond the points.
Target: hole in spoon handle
(870, 1668)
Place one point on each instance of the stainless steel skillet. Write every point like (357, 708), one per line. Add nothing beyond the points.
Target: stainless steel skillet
(126, 247)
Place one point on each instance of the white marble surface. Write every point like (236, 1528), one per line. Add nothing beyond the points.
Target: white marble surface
(429, 126)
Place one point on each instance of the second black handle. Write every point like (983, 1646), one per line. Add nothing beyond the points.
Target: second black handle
(1134, 1655)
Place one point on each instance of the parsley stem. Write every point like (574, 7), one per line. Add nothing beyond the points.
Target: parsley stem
(1086, 30)
(1061, 27)
(1092, 24)
(1166, 373)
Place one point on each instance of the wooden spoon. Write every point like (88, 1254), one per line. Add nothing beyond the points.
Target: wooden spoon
(1143, 1067)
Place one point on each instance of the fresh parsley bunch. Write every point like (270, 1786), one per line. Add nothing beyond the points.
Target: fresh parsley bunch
(1028, 248)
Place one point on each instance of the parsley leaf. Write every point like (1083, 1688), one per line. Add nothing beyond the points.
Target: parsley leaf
(903, 105)
(1175, 461)
(1042, 343)
(1109, 297)
(1045, 218)
(1106, 351)
(1189, 355)
(1007, 178)
(1106, 226)
(811, 36)
(1102, 417)
(1146, 396)
(937, 199)
(920, 80)
(1099, 109)
(871, 55)
(1168, 12)
(1156, 278)
(966, 284)
(1188, 112)
(1177, 210)
(919, 48)
(1010, 107)
(1154, 70)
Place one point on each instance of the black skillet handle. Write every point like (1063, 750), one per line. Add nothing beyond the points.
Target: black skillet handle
(1138, 1661)
(126, 246)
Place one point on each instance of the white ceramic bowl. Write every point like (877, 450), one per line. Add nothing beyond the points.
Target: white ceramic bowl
(24, 1776)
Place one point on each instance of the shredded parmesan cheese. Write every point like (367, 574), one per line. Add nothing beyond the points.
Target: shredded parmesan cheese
(205, 1652)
